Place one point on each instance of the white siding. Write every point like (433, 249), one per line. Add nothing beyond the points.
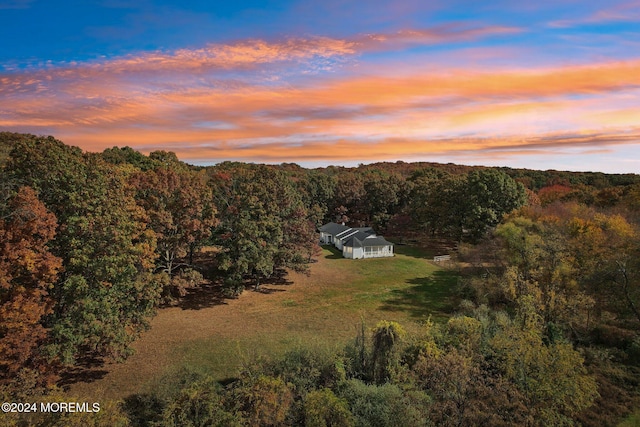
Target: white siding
(357, 253)
(347, 252)
(326, 237)
(378, 251)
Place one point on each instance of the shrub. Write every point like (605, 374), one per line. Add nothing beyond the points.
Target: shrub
(322, 409)
(264, 401)
(199, 404)
(384, 405)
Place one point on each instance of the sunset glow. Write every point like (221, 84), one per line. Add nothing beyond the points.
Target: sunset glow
(555, 85)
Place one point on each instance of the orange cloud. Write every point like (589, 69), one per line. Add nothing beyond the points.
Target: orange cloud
(196, 145)
(442, 34)
(321, 103)
(167, 100)
(397, 148)
(236, 55)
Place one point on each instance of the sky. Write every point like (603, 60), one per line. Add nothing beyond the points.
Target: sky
(538, 85)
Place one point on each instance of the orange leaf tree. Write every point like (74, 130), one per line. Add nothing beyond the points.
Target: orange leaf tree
(27, 271)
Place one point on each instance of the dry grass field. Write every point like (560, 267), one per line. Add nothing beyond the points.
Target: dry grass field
(325, 309)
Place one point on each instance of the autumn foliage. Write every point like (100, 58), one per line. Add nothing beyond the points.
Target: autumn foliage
(91, 245)
(28, 271)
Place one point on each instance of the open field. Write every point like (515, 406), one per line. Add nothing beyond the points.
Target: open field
(324, 308)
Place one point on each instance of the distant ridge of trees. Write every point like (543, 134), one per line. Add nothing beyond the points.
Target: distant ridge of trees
(531, 178)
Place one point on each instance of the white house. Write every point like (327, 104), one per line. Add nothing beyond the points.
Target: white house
(329, 231)
(346, 235)
(370, 247)
(355, 243)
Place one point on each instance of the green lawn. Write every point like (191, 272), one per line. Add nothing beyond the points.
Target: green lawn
(324, 309)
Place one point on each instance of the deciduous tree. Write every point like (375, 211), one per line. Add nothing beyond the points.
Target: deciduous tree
(27, 273)
(488, 195)
(107, 292)
(179, 204)
(263, 224)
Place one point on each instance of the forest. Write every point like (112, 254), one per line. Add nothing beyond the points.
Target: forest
(546, 332)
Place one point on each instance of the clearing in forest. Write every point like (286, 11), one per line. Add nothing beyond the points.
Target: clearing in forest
(323, 309)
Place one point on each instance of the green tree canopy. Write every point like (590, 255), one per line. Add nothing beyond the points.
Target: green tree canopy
(263, 224)
(107, 292)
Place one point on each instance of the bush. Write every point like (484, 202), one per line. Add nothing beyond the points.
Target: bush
(144, 410)
(384, 405)
(322, 409)
(199, 404)
(147, 409)
(184, 280)
(307, 369)
(264, 401)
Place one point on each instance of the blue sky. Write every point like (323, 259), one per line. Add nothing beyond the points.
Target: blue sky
(554, 84)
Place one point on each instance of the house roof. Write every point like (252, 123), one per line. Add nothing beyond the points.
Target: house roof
(346, 233)
(367, 230)
(362, 240)
(375, 241)
(333, 228)
(359, 237)
(355, 239)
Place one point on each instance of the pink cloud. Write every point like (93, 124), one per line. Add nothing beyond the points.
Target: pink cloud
(395, 148)
(179, 101)
(241, 55)
(622, 12)
(449, 33)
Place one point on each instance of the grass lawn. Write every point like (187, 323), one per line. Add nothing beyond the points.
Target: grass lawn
(322, 309)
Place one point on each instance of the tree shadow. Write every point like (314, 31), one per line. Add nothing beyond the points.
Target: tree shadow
(428, 295)
(278, 278)
(87, 370)
(211, 294)
(411, 251)
(426, 249)
(263, 290)
(204, 296)
(335, 253)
